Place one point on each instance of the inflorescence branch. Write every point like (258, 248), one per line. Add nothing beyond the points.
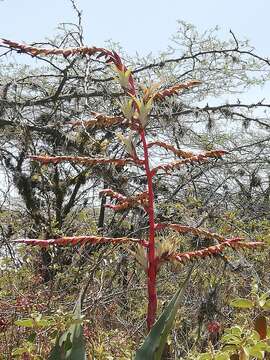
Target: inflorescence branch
(80, 240)
(168, 147)
(174, 90)
(190, 160)
(211, 250)
(111, 57)
(126, 202)
(101, 121)
(184, 229)
(45, 159)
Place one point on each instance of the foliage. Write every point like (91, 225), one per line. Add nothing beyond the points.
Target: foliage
(71, 344)
(247, 341)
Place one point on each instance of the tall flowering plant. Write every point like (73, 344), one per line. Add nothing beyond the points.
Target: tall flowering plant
(135, 114)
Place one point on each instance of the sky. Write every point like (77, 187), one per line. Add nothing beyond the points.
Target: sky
(143, 25)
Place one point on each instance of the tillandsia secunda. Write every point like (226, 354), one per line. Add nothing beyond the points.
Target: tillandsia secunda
(135, 114)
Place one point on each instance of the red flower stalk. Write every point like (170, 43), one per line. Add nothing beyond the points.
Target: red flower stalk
(152, 263)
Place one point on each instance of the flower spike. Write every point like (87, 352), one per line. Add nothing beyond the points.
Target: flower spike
(190, 160)
(183, 229)
(45, 159)
(212, 250)
(101, 121)
(161, 95)
(34, 51)
(78, 240)
(168, 147)
(125, 202)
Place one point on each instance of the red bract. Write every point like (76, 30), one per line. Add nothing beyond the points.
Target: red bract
(113, 194)
(214, 327)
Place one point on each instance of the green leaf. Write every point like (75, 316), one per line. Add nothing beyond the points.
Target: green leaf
(256, 353)
(154, 343)
(20, 351)
(205, 356)
(43, 323)
(224, 356)
(32, 337)
(266, 305)
(242, 303)
(232, 339)
(260, 346)
(71, 344)
(36, 322)
(57, 353)
(29, 323)
(235, 330)
(262, 299)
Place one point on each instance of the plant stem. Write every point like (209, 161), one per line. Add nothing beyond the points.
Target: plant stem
(152, 267)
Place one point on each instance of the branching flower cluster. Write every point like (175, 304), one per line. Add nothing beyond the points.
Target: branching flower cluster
(136, 110)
